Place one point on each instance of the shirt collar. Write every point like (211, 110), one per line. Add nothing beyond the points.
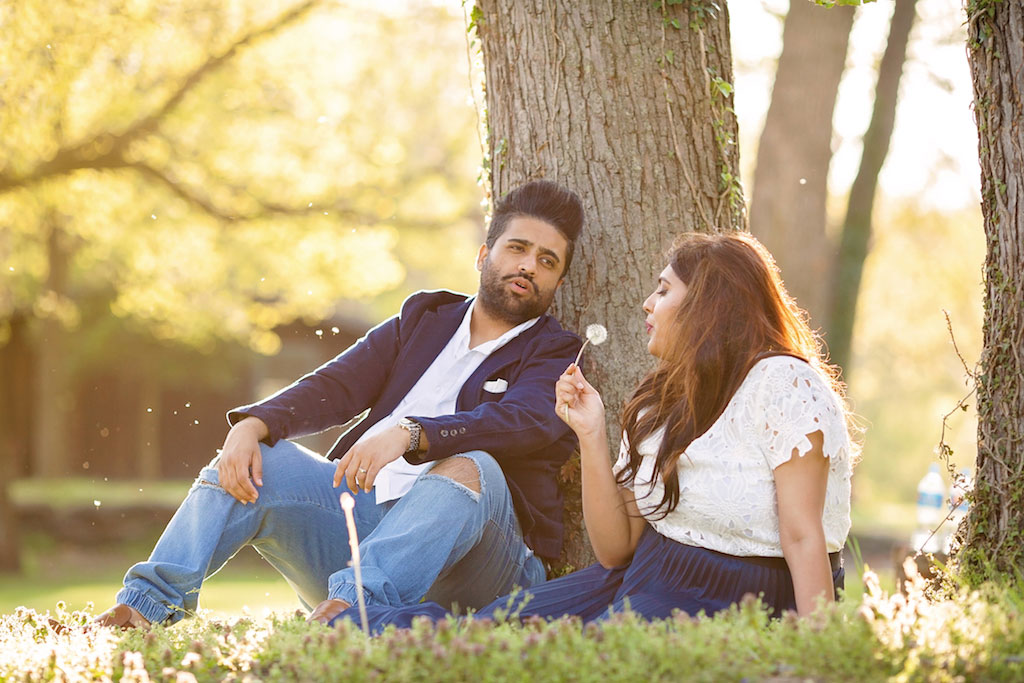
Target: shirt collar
(461, 336)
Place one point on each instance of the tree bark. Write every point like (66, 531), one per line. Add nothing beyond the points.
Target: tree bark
(994, 539)
(856, 234)
(54, 394)
(629, 104)
(788, 206)
(15, 410)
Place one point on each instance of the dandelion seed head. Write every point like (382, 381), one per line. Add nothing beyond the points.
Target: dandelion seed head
(597, 334)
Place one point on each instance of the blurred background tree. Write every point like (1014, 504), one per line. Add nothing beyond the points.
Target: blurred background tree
(912, 200)
(209, 171)
(179, 181)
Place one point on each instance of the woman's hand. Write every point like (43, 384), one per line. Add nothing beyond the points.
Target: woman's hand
(578, 404)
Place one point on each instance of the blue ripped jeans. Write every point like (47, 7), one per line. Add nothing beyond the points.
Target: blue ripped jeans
(441, 540)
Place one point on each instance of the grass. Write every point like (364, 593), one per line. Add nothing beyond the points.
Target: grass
(248, 630)
(961, 635)
(78, 492)
(78, 577)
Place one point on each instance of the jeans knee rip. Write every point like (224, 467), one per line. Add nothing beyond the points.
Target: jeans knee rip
(473, 495)
(205, 479)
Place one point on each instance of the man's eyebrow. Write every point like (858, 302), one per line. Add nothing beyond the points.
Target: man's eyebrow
(543, 250)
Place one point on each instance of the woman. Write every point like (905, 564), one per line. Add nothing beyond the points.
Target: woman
(733, 476)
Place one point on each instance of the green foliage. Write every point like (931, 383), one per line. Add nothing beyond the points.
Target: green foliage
(216, 169)
(729, 187)
(699, 12)
(964, 635)
(902, 403)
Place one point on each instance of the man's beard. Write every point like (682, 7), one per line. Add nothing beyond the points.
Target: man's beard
(495, 296)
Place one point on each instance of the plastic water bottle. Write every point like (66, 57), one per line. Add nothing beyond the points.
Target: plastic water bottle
(931, 511)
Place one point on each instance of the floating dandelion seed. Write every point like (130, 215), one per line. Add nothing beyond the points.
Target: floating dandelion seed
(348, 503)
(319, 333)
(97, 503)
(335, 330)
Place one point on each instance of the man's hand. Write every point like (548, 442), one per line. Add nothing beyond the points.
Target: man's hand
(359, 467)
(240, 457)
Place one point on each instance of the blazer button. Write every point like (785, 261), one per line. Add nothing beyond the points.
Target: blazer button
(444, 432)
(462, 430)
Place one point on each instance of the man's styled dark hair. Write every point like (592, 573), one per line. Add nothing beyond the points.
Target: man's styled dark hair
(546, 201)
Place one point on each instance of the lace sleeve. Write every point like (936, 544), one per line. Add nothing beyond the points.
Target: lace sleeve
(793, 401)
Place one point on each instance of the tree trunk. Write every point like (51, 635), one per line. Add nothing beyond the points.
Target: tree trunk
(995, 529)
(856, 235)
(629, 104)
(54, 394)
(15, 401)
(788, 206)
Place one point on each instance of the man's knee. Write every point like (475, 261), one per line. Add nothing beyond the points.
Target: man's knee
(461, 470)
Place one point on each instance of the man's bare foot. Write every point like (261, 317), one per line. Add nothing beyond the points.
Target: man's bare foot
(121, 616)
(327, 610)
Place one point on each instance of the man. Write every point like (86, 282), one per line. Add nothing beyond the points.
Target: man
(453, 467)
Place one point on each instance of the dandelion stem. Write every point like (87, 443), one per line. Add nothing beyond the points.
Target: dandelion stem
(347, 504)
(580, 355)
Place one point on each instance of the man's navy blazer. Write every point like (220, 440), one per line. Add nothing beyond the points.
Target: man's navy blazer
(518, 426)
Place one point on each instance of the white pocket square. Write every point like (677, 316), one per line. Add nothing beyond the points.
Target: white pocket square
(497, 386)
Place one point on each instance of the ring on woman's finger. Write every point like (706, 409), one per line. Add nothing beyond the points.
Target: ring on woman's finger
(362, 470)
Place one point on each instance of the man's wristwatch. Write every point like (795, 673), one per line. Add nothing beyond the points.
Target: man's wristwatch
(415, 429)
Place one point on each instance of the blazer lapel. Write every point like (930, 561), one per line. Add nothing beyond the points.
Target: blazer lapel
(433, 332)
(469, 395)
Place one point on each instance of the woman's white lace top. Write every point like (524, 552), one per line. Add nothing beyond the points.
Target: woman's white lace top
(727, 498)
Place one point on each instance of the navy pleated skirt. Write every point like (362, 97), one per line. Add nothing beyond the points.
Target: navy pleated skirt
(662, 577)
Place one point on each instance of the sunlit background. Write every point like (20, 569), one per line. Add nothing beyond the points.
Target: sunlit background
(191, 257)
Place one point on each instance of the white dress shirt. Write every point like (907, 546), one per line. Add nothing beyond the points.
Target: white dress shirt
(435, 393)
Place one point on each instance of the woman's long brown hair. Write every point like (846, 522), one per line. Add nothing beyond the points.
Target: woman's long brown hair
(735, 312)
